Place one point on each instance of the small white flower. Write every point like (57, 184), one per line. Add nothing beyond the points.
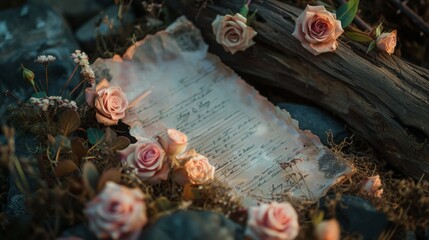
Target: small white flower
(82, 60)
(43, 59)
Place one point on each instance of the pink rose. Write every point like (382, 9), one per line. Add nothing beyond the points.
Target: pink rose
(177, 142)
(387, 42)
(233, 33)
(328, 230)
(195, 169)
(149, 158)
(117, 212)
(274, 221)
(372, 186)
(317, 30)
(110, 102)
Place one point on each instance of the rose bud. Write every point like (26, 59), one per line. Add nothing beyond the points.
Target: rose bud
(274, 221)
(372, 186)
(387, 42)
(328, 230)
(233, 33)
(317, 30)
(28, 75)
(118, 212)
(177, 142)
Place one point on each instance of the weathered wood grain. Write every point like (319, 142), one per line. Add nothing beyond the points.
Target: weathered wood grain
(381, 97)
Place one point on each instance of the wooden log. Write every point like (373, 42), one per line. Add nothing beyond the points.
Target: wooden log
(381, 97)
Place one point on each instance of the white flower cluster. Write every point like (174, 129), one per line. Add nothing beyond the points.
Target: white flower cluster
(81, 58)
(45, 102)
(43, 59)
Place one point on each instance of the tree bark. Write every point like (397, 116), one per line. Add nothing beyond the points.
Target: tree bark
(381, 97)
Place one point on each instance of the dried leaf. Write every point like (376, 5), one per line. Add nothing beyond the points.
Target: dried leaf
(188, 193)
(90, 176)
(65, 167)
(51, 139)
(120, 143)
(109, 135)
(163, 204)
(78, 148)
(69, 121)
(111, 175)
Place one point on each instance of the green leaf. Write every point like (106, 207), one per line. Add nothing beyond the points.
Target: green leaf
(251, 18)
(378, 30)
(39, 95)
(359, 36)
(94, 135)
(371, 46)
(347, 12)
(244, 11)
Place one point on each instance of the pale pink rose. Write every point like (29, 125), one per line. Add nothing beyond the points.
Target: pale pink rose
(274, 221)
(372, 186)
(195, 169)
(110, 103)
(149, 158)
(328, 230)
(317, 30)
(387, 42)
(177, 142)
(233, 33)
(118, 212)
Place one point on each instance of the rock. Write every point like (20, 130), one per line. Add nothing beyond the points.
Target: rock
(317, 120)
(187, 225)
(76, 11)
(357, 215)
(80, 231)
(25, 33)
(88, 32)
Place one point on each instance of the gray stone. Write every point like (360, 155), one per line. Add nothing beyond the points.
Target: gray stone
(25, 33)
(317, 120)
(357, 215)
(76, 11)
(187, 225)
(87, 33)
(81, 231)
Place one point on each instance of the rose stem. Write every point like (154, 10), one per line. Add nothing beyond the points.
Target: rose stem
(74, 89)
(8, 93)
(47, 82)
(248, 3)
(68, 81)
(41, 85)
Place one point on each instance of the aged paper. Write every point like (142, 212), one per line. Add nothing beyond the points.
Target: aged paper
(256, 148)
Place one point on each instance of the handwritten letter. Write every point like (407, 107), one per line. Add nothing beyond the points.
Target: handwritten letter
(256, 148)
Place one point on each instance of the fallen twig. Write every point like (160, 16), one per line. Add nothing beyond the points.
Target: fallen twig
(402, 6)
